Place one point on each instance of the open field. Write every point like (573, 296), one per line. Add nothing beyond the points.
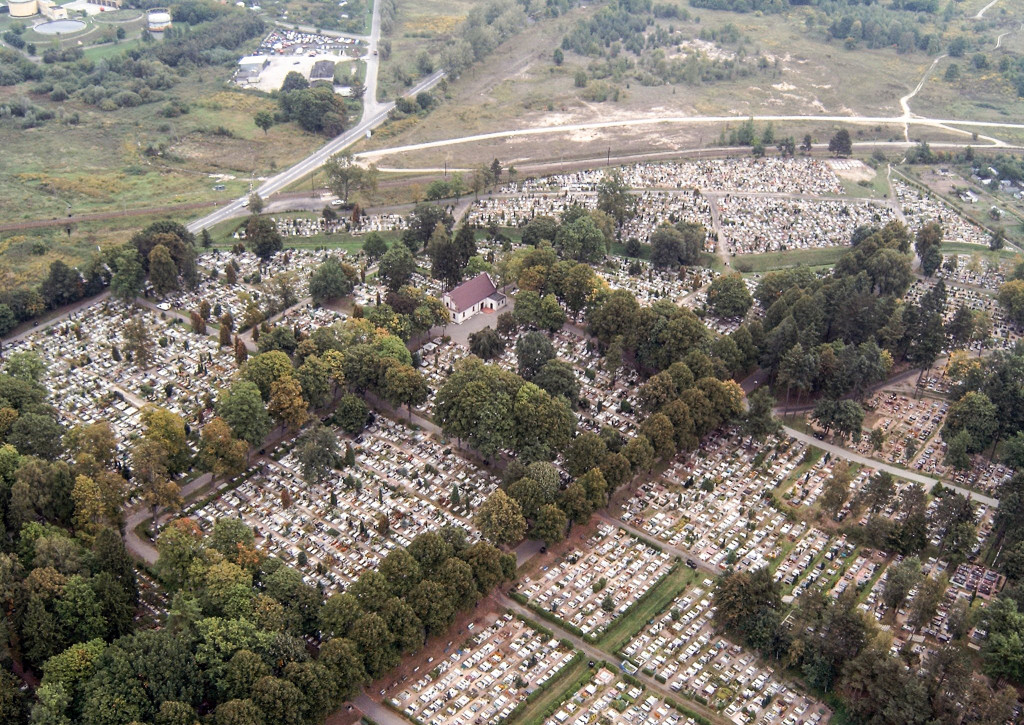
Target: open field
(520, 81)
(26, 255)
(759, 263)
(420, 26)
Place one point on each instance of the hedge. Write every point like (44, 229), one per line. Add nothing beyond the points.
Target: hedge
(521, 707)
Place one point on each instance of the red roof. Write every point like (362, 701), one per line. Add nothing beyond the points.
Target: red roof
(471, 292)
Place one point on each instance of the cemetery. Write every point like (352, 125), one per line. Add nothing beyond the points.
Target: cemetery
(486, 677)
(590, 587)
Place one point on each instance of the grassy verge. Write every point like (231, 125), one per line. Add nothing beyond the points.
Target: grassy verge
(221, 234)
(984, 252)
(542, 703)
(876, 188)
(760, 263)
(653, 602)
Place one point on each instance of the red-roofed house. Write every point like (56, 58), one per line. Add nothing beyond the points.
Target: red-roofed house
(473, 296)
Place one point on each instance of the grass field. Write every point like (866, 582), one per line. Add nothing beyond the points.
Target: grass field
(221, 235)
(25, 256)
(876, 188)
(565, 684)
(625, 628)
(760, 263)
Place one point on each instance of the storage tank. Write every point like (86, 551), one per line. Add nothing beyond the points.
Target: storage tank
(22, 8)
(158, 20)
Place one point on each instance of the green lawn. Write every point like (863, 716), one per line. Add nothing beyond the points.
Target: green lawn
(222, 236)
(984, 252)
(562, 688)
(760, 263)
(877, 188)
(111, 50)
(664, 592)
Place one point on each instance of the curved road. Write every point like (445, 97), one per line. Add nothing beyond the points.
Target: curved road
(689, 121)
(926, 481)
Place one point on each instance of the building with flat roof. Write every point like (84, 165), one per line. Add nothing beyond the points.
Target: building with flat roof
(323, 70)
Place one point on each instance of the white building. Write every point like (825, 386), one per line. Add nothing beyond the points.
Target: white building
(473, 296)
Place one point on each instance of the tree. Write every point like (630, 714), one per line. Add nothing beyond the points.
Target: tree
(741, 598)
(550, 525)
(128, 277)
(486, 343)
(581, 240)
(558, 379)
(540, 228)
(286, 405)
(1011, 299)
(351, 414)
(500, 519)
(976, 414)
(168, 430)
(329, 281)
(262, 237)
(422, 222)
(840, 143)
(375, 246)
(220, 452)
(345, 176)
(241, 406)
(404, 386)
(879, 490)
(837, 490)
(255, 203)
(930, 594)
(396, 267)
(373, 640)
(138, 342)
(267, 368)
(318, 454)
(728, 296)
(614, 199)
(278, 700)
(640, 453)
(670, 247)
(899, 580)
(264, 120)
(294, 81)
(957, 449)
(533, 350)
(446, 261)
(315, 378)
(760, 421)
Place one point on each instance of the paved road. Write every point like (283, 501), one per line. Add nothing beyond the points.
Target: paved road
(58, 316)
(674, 551)
(926, 481)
